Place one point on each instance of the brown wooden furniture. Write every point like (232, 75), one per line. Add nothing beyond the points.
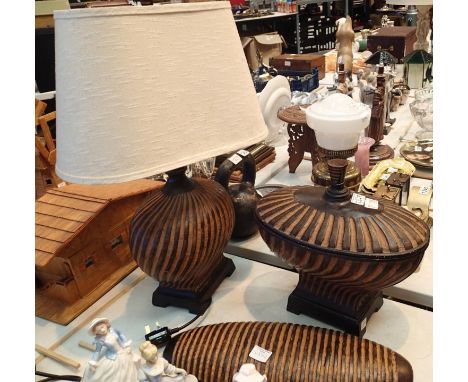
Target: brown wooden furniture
(301, 137)
(46, 145)
(300, 353)
(236, 176)
(45, 151)
(387, 192)
(402, 182)
(398, 41)
(82, 244)
(299, 63)
(44, 10)
(345, 250)
(57, 357)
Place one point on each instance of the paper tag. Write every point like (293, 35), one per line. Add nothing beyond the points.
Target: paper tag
(260, 354)
(287, 63)
(61, 184)
(244, 153)
(371, 203)
(417, 149)
(391, 170)
(424, 190)
(358, 199)
(235, 159)
(385, 176)
(429, 149)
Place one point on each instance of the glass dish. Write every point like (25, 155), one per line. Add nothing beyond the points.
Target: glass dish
(422, 112)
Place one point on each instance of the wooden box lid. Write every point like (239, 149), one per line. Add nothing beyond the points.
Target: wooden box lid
(331, 220)
(300, 57)
(393, 32)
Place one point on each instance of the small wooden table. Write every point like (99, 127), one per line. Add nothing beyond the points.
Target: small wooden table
(301, 136)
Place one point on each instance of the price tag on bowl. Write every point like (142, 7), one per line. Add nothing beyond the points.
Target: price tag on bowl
(371, 203)
(260, 354)
(358, 199)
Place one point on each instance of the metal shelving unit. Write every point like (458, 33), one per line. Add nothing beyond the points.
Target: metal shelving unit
(273, 19)
(326, 11)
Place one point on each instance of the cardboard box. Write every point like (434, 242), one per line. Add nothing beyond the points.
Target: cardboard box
(300, 63)
(330, 62)
(396, 40)
(268, 44)
(45, 12)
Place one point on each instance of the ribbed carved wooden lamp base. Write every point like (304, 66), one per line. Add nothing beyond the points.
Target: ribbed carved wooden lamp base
(178, 237)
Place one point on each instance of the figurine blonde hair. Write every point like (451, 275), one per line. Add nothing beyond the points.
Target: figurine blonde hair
(148, 351)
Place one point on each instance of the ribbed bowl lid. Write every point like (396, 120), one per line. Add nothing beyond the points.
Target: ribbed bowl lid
(334, 220)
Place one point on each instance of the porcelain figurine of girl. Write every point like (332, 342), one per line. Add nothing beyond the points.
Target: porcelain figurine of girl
(248, 373)
(113, 360)
(157, 369)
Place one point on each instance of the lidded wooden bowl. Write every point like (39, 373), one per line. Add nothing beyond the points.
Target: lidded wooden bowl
(346, 247)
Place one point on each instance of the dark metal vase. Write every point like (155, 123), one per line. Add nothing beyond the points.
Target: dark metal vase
(243, 195)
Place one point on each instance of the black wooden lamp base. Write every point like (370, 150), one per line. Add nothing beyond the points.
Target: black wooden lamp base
(354, 323)
(196, 303)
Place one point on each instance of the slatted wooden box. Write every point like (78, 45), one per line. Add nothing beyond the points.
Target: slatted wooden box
(82, 244)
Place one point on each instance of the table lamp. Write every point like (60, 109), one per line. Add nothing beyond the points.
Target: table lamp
(338, 121)
(418, 64)
(147, 90)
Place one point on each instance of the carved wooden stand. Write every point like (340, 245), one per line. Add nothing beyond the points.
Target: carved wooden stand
(301, 137)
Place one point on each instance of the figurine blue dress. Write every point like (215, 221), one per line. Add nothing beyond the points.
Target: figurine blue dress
(113, 360)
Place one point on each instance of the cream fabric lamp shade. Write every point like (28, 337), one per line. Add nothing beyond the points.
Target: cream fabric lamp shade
(145, 90)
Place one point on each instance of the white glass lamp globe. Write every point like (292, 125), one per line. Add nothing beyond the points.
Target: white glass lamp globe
(338, 121)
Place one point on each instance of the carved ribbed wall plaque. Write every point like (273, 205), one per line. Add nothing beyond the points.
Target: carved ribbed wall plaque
(301, 353)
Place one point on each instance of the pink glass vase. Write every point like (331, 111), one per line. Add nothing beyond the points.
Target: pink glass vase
(361, 158)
